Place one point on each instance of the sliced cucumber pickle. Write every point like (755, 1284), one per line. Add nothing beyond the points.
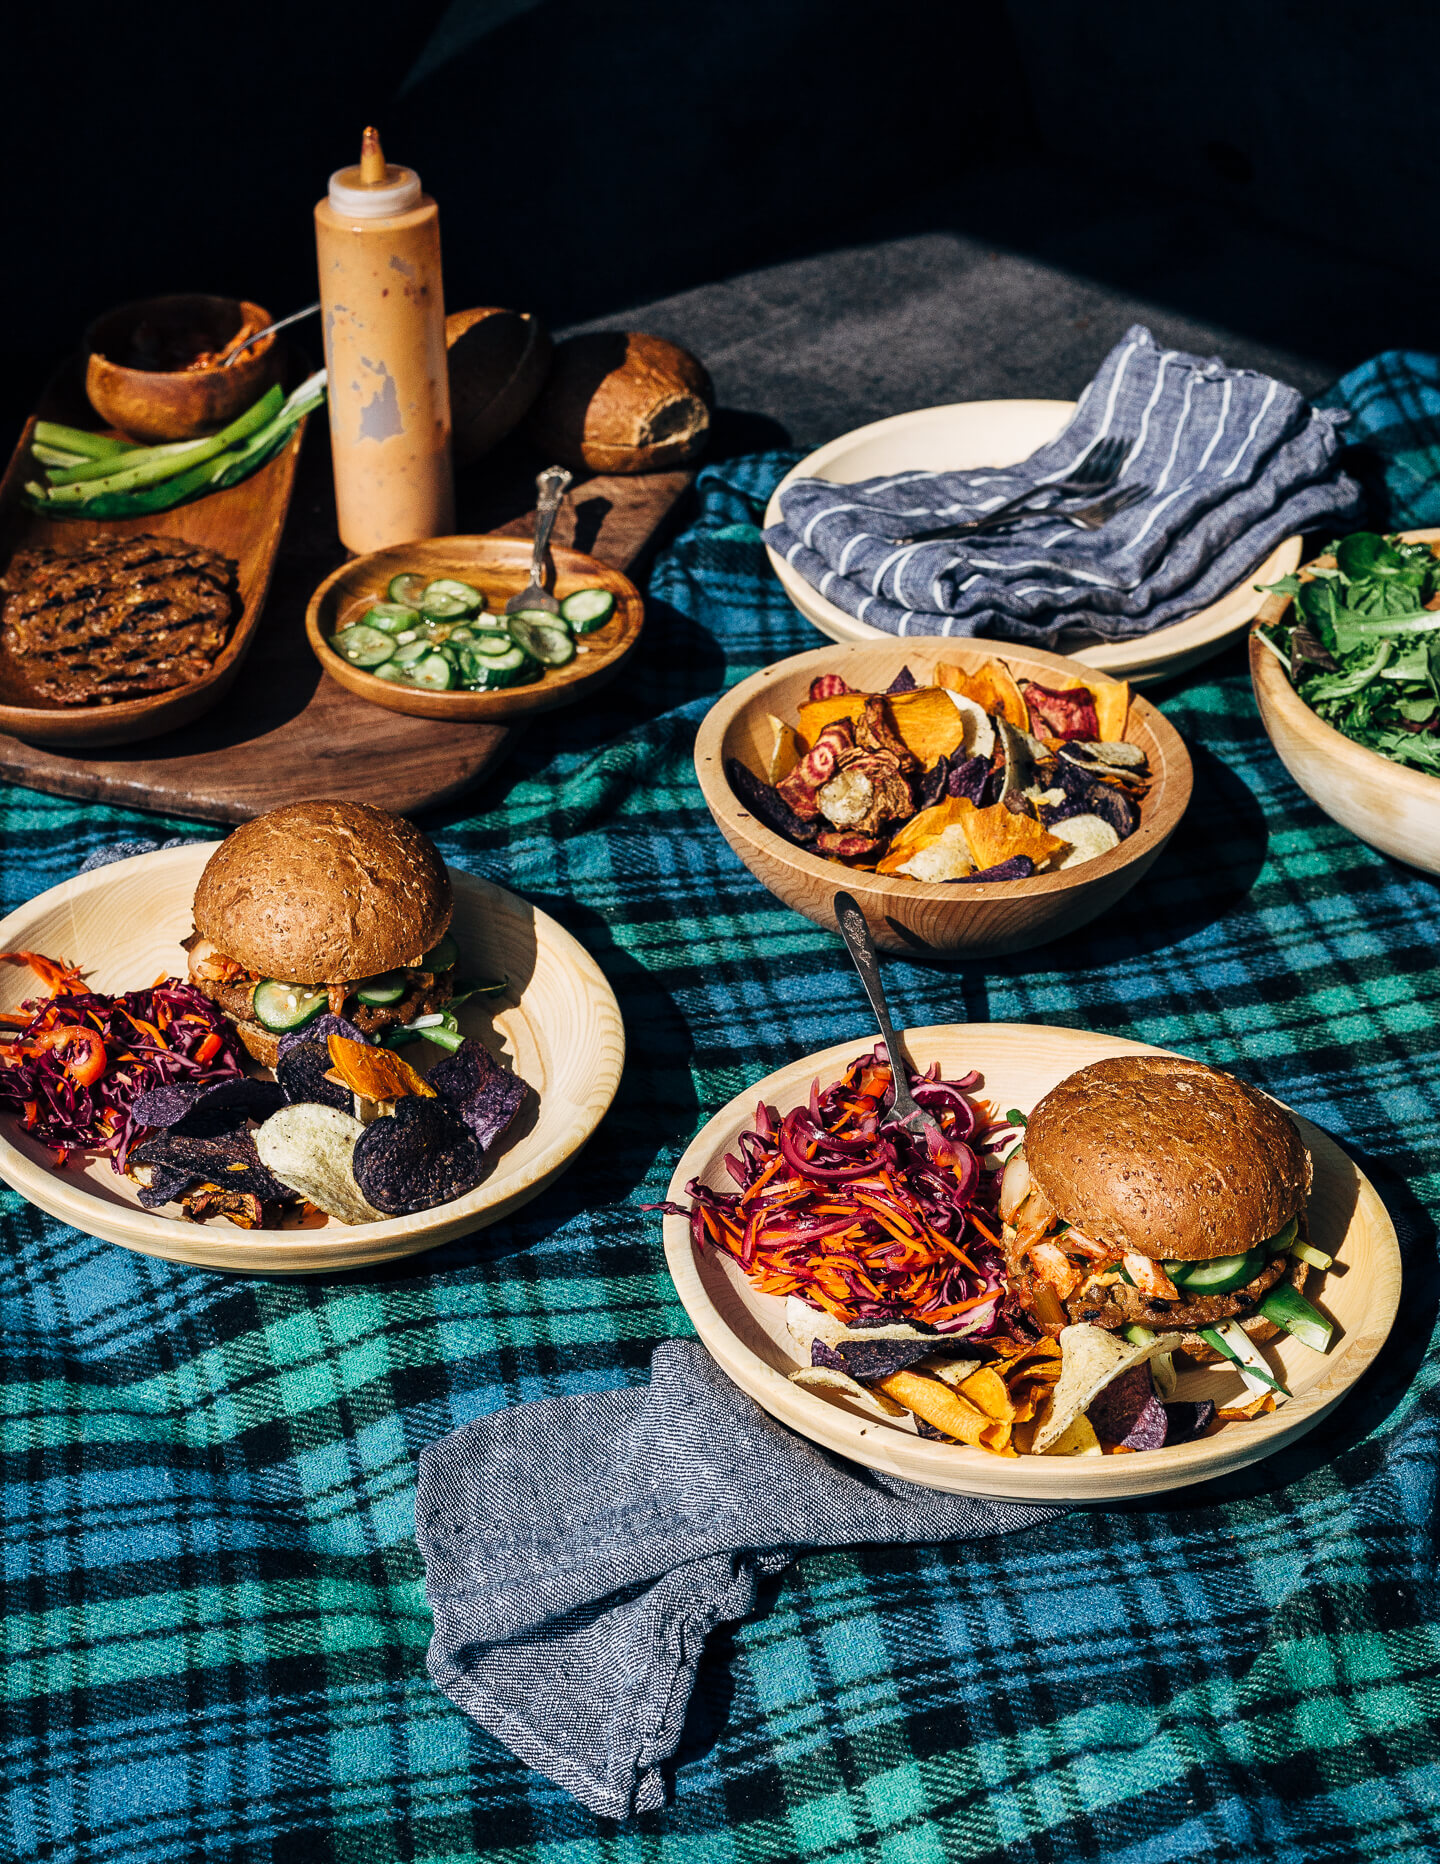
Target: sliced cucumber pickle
(1217, 1274)
(408, 588)
(390, 670)
(492, 643)
(443, 958)
(588, 609)
(390, 987)
(411, 651)
(517, 668)
(362, 646)
(463, 636)
(455, 591)
(434, 673)
(437, 606)
(392, 616)
(287, 1006)
(552, 646)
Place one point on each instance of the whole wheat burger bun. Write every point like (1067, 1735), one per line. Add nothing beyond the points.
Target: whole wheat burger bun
(324, 893)
(1167, 1158)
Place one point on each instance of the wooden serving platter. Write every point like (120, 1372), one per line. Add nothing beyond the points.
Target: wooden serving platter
(284, 732)
(500, 568)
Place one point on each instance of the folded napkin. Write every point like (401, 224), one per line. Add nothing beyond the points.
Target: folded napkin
(1234, 461)
(578, 1551)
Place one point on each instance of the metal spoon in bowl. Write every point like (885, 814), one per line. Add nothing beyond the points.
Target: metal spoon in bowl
(905, 1110)
(550, 486)
(279, 324)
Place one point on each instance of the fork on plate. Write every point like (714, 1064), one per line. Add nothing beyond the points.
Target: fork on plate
(1095, 471)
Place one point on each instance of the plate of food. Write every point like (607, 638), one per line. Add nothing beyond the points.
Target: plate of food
(135, 576)
(422, 628)
(1106, 1272)
(973, 800)
(1343, 659)
(310, 1046)
(998, 433)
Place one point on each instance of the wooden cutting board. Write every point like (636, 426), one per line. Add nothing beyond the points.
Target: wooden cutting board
(285, 732)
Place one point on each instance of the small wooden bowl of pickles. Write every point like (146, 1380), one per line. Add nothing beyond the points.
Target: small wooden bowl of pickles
(421, 628)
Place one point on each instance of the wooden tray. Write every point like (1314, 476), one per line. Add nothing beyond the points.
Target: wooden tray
(500, 568)
(745, 1331)
(243, 522)
(284, 732)
(557, 1025)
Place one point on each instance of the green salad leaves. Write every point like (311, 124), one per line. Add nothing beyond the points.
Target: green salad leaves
(1363, 647)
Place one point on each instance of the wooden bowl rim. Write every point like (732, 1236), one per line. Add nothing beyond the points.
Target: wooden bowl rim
(1272, 686)
(1172, 788)
(847, 1433)
(483, 707)
(349, 1245)
(139, 378)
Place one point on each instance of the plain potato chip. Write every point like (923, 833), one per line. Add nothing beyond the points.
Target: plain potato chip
(1091, 1358)
(310, 1148)
(1087, 837)
(828, 1378)
(925, 829)
(1078, 1440)
(975, 722)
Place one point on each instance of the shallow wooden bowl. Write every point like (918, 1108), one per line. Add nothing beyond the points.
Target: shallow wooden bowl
(911, 915)
(746, 1333)
(500, 566)
(998, 433)
(557, 1025)
(1390, 806)
(177, 404)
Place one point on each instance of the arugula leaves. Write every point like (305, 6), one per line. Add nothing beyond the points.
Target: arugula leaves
(1363, 647)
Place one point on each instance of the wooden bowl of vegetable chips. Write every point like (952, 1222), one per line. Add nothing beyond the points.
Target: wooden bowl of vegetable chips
(1391, 806)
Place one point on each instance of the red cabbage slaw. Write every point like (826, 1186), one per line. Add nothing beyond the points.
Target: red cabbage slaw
(867, 1224)
(170, 1032)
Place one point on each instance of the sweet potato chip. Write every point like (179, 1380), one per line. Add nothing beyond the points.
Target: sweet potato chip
(946, 1410)
(374, 1073)
(991, 685)
(816, 714)
(928, 722)
(782, 749)
(997, 834)
(1112, 707)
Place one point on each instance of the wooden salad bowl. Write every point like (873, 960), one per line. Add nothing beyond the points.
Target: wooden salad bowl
(746, 1334)
(1388, 805)
(916, 916)
(500, 567)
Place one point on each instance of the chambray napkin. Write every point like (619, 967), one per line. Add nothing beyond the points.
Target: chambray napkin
(578, 1551)
(1234, 460)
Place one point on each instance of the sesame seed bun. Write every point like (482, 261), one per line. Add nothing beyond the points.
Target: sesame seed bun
(324, 893)
(1167, 1158)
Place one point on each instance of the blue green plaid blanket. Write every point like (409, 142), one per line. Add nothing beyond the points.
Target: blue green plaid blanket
(214, 1621)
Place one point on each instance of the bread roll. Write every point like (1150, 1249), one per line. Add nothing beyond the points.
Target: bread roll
(498, 363)
(622, 402)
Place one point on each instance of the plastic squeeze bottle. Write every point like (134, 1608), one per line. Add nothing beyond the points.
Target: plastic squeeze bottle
(378, 241)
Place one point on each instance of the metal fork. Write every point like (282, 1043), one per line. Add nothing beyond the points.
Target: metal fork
(550, 488)
(1100, 466)
(905, 1111)
(1094, 517)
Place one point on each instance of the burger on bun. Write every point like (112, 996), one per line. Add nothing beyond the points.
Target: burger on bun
(322, 906)
(1155, 1192)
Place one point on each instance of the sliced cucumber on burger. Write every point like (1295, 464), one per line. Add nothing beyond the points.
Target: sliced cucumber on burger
(279, 1007)
(1217, 1274)
(390, 987)
(444, 957)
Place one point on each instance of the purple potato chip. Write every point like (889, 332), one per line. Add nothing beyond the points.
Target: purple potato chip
(1018, 867)
(1061, 812)
(870, 1359)
(903, 682)
(931, 786)
(167, 1186)
(422, 1155)
(480, 1089)
(228, 1159)
(1129, 1411)
(1112, 805)
(1188, 1419)
(324, 1026)
(175, 1104)
(301, 1072)
(967, 777)
(928, 1430)
(767, 805)
(990, 793)
(1075, 781)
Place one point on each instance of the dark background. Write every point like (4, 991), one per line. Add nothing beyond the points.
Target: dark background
(907, 203)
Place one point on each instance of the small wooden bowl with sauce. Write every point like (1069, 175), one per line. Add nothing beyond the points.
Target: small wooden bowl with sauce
(137, 371)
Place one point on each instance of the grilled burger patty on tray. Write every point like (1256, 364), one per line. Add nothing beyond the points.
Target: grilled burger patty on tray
(117, 618)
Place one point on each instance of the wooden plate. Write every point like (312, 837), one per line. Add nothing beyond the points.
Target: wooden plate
(913, 915)
(1391, 806)
(746, 1333)
(557, 1025)
(243, 522)
(500, 566)
(998, 433)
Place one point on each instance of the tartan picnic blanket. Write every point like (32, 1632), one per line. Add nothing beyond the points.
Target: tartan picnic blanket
(214, 1619)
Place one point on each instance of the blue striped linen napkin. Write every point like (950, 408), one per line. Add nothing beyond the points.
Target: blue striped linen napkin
(578, 1551)
(1235, 461)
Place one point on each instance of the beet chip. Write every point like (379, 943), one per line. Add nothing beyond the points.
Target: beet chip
(1018, 867)
(422, 1155)
(321, 1031)
(870, 1359)
(1188, 1420)
(828, 686)
(186, 1106)
(1069, 713)
(481, 1090)
(301, 1072)
(1129, 1411)
(967, 777)
(768, 806)
(903, 682)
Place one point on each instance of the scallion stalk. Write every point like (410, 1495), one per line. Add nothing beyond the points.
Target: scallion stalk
(1307, 1252)
(168, 464)
(77, 440)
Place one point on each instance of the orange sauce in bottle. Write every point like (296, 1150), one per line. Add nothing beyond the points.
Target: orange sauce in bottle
(377, 238)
